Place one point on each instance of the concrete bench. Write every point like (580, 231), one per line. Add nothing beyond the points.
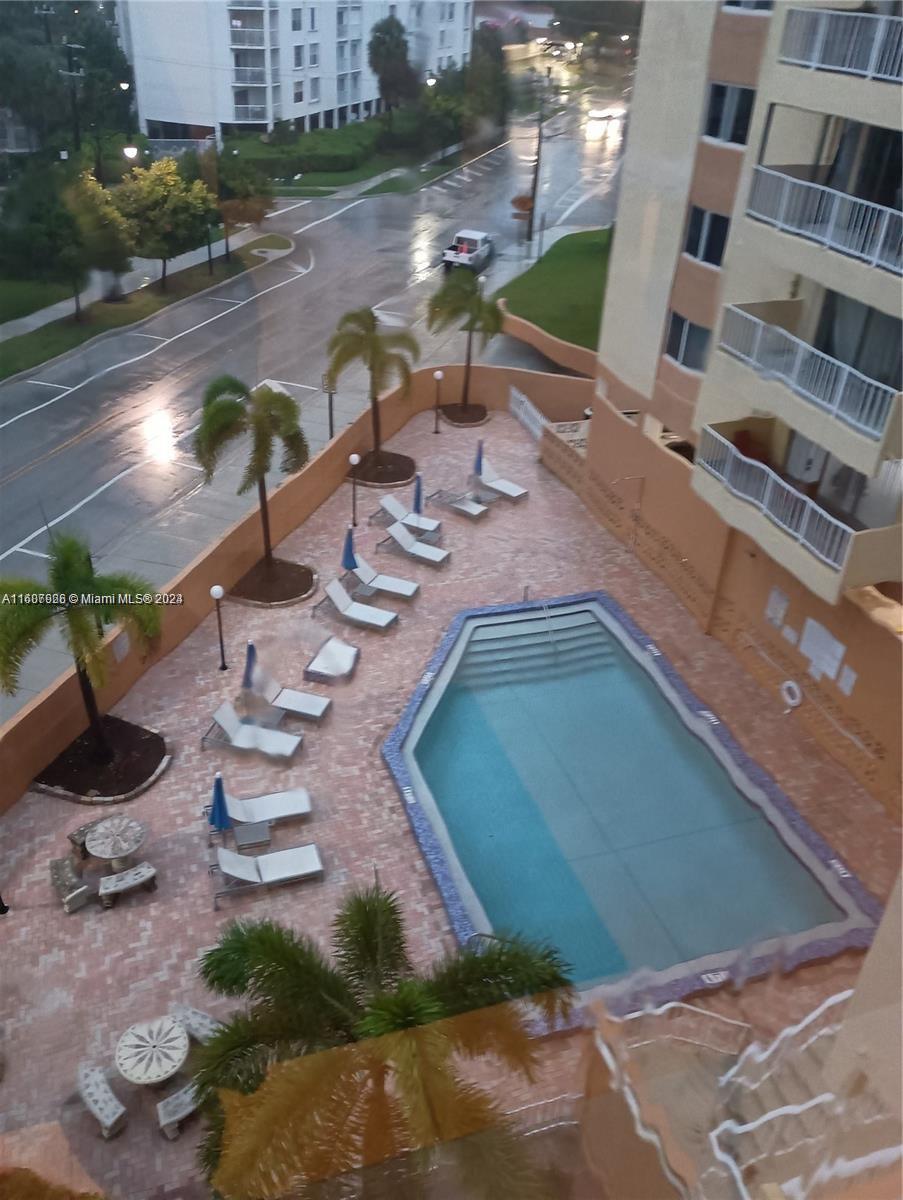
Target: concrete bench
(111, 886)
(77, 838)
(200, 1025)
(176, 1108)
(68, 885)
(100, 1100)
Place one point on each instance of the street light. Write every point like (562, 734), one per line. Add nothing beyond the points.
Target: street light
(431, 81)
(124, 85)
(217, 593)
(354, 459)
(625, 37)
(131, 152)
(438, 376)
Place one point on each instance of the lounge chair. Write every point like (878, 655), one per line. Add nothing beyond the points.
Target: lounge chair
(402, 539)
(270, 807)
(273, 742)
(416, 521)
(374, 582)
(459, 502)
(306, 705)
(243, 871)
(100, 1099)
(199, 1025)
(333, 661)
(491, 480)
(355, 613)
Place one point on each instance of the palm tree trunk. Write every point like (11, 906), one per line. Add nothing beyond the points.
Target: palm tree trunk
(102, 746)
(375, 421)
(265, 520)
(163, 277)
(465, 396)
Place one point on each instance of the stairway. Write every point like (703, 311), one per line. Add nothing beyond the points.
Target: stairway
(542, 644)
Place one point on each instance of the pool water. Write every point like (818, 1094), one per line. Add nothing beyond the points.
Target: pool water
(582, 809)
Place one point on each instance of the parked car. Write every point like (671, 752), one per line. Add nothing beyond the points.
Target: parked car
(471, 249)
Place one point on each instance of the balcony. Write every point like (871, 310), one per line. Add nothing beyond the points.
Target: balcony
(250, 112)
(869, 232)
(239, 5)
(852, 43)
(242, 76)
(246, 37)
(823, 381)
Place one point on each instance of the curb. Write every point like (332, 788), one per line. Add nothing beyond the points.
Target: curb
(245, 603)
(110, 333)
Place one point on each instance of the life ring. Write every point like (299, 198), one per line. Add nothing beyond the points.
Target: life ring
(791, 693)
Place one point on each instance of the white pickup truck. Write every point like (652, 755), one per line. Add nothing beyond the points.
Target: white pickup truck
(471, 249)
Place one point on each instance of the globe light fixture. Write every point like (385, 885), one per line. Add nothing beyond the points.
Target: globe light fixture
(431, 81)
(131, 152)
(354, 461)
(625, 37)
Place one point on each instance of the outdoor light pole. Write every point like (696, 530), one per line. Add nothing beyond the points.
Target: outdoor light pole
(536, 168)
(217, 593)
(353, 460)
(329, 389)
(438, 376)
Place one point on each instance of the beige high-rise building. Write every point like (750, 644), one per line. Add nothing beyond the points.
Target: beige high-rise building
(746, 436)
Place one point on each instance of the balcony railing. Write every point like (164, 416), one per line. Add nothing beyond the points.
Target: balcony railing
(851, 42)
(239, 4)
(246, 37)
(241, 76)
(831, 385)
(856, 227)
(801, 518)
(250, 112)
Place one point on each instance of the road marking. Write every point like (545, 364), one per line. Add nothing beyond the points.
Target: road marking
(183, 462)
(219, 300)
(33, 553)
(61, 386)
(451, 183)
(277, 212)
(580, 200)
(330, 217)
(288, 383)
(156, 336)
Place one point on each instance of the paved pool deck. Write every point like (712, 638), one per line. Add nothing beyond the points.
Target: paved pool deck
(70, 985)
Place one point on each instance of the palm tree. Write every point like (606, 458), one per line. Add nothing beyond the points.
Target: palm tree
(342, 1063)
(231, 409)
(461, 299)
(87, 601)
(386, 353)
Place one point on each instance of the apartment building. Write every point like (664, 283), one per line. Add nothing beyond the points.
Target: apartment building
(746, 437)
(205, 67)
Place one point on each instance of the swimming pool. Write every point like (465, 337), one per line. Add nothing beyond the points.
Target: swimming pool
(563, 781)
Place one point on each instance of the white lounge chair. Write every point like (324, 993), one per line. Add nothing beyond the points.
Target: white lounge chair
(403, 588)
(365, 615)
(307, 705)
(243, 871)
(459, 502)
(270, 807)
(503, 487)
(416, 521)
(273, 742)
(334, 660)
(406, 542)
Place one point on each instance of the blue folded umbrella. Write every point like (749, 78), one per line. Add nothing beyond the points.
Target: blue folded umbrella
(349, 562)
(219, 813)
(418, 494)
(247, 680)
(478, 461)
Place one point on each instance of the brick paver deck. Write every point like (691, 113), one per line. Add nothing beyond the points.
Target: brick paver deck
(69, 985)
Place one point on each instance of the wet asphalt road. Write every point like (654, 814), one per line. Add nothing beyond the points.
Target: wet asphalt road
(100, 441)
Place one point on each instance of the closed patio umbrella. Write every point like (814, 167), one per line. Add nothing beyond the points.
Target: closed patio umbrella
(247, 680)
(349, 562)
(219, 813)
(418, 494)
(478, 461)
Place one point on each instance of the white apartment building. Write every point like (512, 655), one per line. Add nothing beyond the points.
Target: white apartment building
(207, 67)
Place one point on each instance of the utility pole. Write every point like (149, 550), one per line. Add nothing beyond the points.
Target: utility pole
(72, 75)
(46, 11)
(536, 166)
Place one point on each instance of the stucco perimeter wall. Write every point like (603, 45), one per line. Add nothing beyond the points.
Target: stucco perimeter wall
(45, 726)
(565, 354)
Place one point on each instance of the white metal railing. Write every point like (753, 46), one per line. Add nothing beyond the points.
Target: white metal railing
(825, 381)
(250, 112)
(245, 75)
(246, 37)
(854, 43)
(678, 1021)
(523, 408)
(800, 517)
(246, 3)
(857, 227)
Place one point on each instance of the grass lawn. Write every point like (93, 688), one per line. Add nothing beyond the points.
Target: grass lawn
(563, 292)
(20, 353)
(336, 179)
(413, 180)
(285, 189)
(18, 297)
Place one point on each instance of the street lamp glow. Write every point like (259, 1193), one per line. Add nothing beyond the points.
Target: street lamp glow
(569, 46)
(124, 85)
(625, 37)
(431, 82)
(131, 152)
(541, 41)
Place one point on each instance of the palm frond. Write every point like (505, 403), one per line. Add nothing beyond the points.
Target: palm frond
(141, 621)
(500, 1031)
(505, 968)
(70, 564)
(408, 1005)
(22, 626)
(226, 386)
(497, 1164)
(345, 349)
(85, 640)
(282, 412)
(400, 341)
(223, 419)
(236, 1057)
(260, 460)
(369, 942)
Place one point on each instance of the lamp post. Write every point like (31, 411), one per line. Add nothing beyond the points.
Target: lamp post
(353, 460)
(536, 168)
(217, 594)
(328, 385)
(438, 376)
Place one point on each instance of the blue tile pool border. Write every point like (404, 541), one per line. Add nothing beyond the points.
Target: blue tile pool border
(673, 989)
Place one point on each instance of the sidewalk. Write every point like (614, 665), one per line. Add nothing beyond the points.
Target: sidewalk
(143, 272)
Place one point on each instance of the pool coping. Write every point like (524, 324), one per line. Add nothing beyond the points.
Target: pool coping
(743, 967)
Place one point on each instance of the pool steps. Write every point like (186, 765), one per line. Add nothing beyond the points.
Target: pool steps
(528, 646)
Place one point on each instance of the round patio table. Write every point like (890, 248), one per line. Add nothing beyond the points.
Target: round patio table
(115, 838)
(151, 1051)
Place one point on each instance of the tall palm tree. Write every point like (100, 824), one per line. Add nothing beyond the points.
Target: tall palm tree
(386, 353)
(337, 1064)
(87, 601)
(231, 409)
(461, 299)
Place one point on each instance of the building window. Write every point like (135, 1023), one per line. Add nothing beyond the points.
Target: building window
(706, 235)
(392, 9)
(297, 25)
(313, 54)
(450, 12)
(466, 16)
(751, 4)
(340, 56)
(441, 37)
(729, 112)
(687, 343)
(313, 20)
(299, 57)
(438, 65)
(314, 90)
(464, 58)
(299, 91)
